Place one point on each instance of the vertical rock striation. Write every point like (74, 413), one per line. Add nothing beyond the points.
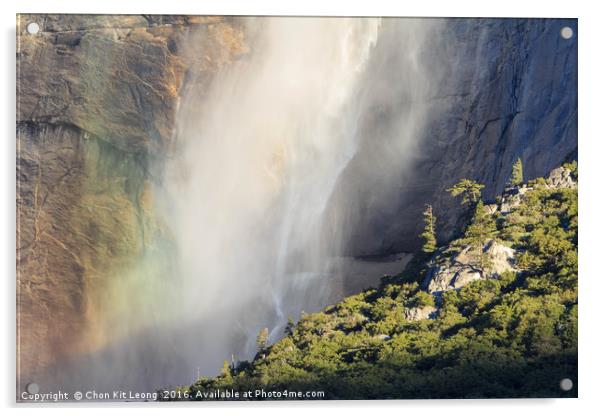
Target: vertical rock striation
(97, 100)
(506, 88)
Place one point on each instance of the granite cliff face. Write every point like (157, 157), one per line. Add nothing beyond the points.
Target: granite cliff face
(96, 116)
(97, 99)
(507, 89)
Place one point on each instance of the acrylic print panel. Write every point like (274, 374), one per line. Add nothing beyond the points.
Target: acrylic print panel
(277, 208)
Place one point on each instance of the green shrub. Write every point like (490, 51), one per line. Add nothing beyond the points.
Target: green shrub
(420, 300)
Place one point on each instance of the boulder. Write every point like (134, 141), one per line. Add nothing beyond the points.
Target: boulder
(502, 258)
(417, 314)
(452, 273)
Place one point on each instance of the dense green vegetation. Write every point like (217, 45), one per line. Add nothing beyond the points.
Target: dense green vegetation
(515, 336)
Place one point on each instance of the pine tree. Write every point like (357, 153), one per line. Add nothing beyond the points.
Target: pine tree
(429, 236)
(481, 229)
(517, 173)
(226, 372)
(262, 340)
(469, 190)
(290, 327)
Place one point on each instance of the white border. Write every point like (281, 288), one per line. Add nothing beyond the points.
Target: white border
(514, 8)
(590, 70)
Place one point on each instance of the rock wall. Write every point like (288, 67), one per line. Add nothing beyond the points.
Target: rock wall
(97, 99)
(505, 89)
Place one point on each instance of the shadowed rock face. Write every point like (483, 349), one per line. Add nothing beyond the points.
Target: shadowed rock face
(508, 90)
(97, 99)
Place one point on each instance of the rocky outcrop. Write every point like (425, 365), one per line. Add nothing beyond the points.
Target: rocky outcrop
(452, 271)
(501, 258)
(561, 177)
(455, 272)
(97, 99)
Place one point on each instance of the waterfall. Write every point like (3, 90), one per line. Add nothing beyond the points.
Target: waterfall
(248, 194)
(257, 160)
(255, 198)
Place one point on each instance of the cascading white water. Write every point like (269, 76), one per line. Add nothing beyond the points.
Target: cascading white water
(254, 173)
(251, 197)
(258, 157)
